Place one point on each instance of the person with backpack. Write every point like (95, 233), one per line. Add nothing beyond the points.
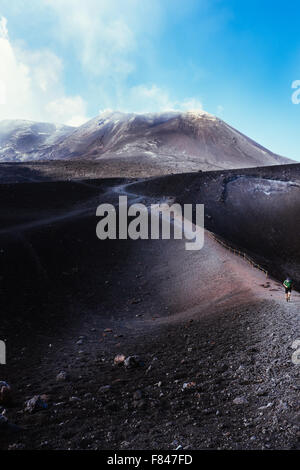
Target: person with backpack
(287, 284)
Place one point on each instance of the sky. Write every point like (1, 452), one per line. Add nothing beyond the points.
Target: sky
(66, 61)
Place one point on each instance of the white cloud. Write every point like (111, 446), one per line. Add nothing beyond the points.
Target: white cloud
(190, 104)
(142, 98)
(3, 28)
(2, 92)
(31, 85)
(152, 98)
(105, 32)
(71, 111)
(111, 40)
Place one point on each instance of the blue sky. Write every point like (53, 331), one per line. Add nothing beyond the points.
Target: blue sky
(66, 60)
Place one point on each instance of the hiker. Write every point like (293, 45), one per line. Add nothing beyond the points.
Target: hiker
(287, 284)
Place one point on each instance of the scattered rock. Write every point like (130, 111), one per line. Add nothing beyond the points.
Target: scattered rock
(262, 392)
(36, 403)
(188, 385)
(124, 445)
(5, 393)
(269, 405)
(62, 376)
(74, 399)
(132, 362)
(282, 406)
(240, 401)
(104, 389)
(16, 446)
(119, 359)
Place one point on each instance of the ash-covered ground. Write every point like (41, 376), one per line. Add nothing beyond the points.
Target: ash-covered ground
(213, 336)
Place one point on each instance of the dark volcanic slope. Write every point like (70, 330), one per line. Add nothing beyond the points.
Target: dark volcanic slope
(65, 170)
(173, 142)
(71, 303)
(256, 209)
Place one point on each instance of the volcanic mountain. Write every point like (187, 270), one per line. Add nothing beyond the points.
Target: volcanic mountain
(27, 140)
(172, 141)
